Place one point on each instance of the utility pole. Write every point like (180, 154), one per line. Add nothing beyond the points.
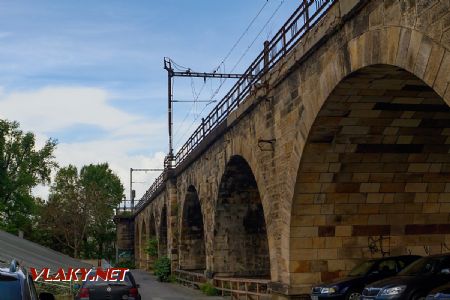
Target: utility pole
(171, 73)
(133, 192)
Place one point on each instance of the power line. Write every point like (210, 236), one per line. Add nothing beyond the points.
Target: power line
(190, 111)
(222, 82)
(236, 64)
(243, 34)
(222, 62)
(250, 46)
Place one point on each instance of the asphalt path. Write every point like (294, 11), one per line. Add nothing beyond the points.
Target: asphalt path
(151, 289)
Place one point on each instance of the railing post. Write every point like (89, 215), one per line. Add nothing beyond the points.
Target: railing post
(305, 4)
(203, 127)
(266, 56)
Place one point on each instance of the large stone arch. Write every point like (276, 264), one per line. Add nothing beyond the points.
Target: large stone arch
(240, 244)
(162, 232)
(259, 164)
(143, 238)
(192, 250)
(359, 45)
(137, 241)
(151, 236)
(374, 177)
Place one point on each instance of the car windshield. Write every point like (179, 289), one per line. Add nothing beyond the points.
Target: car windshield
(422, 266)
(10, 288)
(100, 281)
(361, 269)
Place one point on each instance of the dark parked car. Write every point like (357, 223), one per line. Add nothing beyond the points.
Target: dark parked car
(17, 284)
(440, 293)
(414, 282)
(112, 290)
(350, 287)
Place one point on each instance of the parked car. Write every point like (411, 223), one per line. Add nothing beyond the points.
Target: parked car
(17, 284)
(100, 289)
(414, 282)
(350, 287)
(440, 293)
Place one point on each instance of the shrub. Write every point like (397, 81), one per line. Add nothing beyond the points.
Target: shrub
(152, 247)
(162, 269)
(209, 289)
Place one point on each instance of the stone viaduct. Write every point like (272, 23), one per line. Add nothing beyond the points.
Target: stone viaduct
(341, 154)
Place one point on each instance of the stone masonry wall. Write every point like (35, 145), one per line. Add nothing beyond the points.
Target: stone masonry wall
(275, 132)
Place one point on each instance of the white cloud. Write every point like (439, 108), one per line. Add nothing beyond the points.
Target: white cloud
(54, 108)
(124, 137)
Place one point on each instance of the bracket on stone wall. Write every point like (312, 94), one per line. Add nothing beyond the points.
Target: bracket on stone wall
(426, 249)
(376, 245)
(266, 145)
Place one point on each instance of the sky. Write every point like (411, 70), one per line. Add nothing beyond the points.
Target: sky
(90, 73)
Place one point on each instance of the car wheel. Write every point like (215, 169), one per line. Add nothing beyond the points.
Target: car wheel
(352, 295)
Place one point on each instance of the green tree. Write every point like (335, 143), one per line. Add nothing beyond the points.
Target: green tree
(80, 210)
(103, 189)
(66, 214)
(22, 167)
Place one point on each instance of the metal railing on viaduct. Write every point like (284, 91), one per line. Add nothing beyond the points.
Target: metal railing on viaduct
(304, 17)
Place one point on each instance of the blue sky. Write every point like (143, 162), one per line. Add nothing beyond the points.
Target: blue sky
(89, 73)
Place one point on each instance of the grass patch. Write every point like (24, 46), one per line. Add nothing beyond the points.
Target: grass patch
(209, 290)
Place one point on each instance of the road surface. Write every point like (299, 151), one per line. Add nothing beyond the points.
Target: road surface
(151, 289)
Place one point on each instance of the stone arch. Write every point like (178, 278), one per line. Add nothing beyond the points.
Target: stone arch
(162, 233)
(355, 47)
(192, 233)
(240, 237)
(137, 242)
(151, 236)
(143, 256)
(152, 225)
(374, 176)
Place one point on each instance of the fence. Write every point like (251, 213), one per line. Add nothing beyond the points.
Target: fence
(190, 278)
(243, 288)
(236, 288)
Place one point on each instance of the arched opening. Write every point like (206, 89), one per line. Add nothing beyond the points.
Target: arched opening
(151, 245)
(162, 241)
(240, 237)
(143, 256)
(192, 246)
(374, 178)
(137, 244)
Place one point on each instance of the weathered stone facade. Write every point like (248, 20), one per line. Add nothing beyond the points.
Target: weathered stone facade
(348, 142)
(125, 234)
